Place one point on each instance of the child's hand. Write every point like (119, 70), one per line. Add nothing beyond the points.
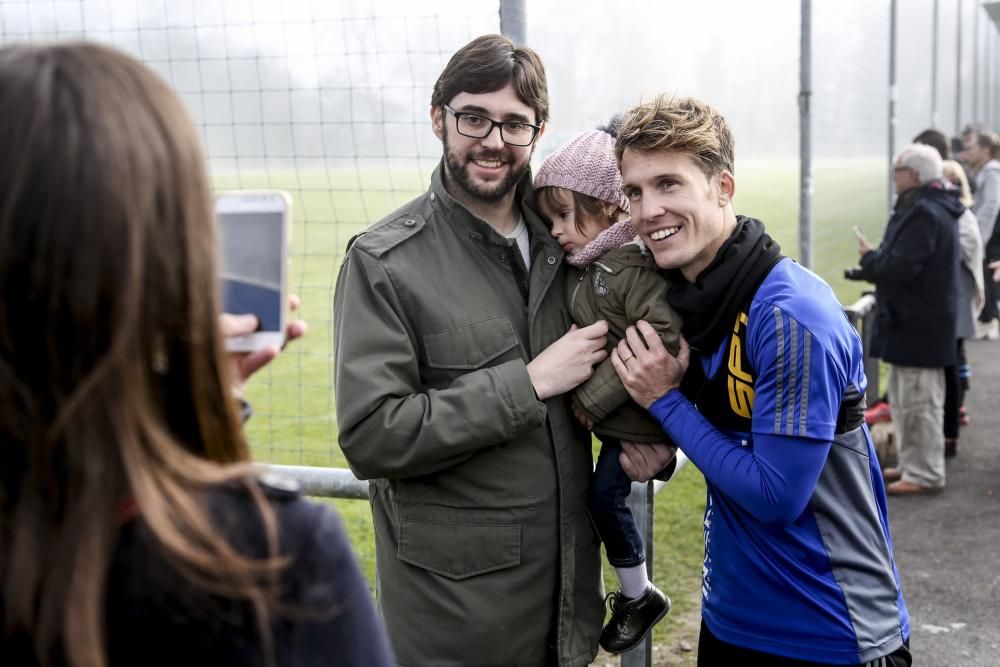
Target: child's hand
(642, 462)
(587, 422)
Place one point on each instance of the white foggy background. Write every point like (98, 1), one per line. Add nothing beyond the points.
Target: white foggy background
(340, 79)
(329, 99)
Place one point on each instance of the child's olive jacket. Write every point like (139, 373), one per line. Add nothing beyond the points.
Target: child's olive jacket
(621, 287)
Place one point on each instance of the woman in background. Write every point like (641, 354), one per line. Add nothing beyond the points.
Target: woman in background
(970, 302)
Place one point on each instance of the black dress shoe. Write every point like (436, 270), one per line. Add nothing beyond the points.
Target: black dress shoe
(632, 619)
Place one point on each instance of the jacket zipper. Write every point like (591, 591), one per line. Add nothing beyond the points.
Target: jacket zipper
(572, 299)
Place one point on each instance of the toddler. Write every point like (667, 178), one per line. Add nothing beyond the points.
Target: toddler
(612, 277)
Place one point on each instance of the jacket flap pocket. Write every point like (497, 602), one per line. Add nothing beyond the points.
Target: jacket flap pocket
(459, 550)
(470, 346)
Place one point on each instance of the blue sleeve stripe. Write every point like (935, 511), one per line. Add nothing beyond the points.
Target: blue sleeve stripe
(793, 372)
(804, 401)
(779, 326)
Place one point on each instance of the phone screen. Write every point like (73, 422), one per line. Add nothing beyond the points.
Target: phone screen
(251, 265)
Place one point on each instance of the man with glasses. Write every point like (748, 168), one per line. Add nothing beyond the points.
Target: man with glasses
(916, 271)
(453, 356)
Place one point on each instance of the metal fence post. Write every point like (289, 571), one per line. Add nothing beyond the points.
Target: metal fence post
(640, 501)
(893, 98)
(861, 314)
(958, 72)
(975, 62)
(873, 392)
(934, 68)
(514, 20)
(805, 136)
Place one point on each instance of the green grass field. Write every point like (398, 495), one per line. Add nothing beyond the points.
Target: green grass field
(294, 421)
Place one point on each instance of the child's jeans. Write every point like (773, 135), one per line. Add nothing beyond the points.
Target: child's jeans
(606, 500)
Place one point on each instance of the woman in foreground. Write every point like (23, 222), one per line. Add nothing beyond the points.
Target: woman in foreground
(133, 529)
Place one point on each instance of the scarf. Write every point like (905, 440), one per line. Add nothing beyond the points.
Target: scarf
(615, 236)
(711, 303)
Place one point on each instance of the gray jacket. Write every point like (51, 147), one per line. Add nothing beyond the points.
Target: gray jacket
(970, 278)
(987, 202)
(485, 552)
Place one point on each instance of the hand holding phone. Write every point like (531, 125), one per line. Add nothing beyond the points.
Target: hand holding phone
(254, 230)
(245, 364)
(864, 247)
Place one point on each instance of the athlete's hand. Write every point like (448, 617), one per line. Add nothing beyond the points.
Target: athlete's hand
(644, 365)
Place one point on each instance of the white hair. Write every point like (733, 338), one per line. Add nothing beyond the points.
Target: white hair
(922, 159)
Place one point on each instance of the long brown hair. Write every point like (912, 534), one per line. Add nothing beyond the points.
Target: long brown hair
(113, 377)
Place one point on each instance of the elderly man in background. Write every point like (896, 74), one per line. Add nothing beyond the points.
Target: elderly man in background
(916, 270)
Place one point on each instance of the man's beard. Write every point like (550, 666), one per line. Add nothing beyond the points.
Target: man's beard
(459, 173)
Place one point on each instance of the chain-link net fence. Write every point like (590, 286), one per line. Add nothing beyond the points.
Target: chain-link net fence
(328, 99)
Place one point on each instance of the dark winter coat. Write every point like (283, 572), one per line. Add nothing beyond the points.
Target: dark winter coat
(916, 272)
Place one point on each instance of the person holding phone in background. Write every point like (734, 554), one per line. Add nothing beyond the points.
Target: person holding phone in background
(916, 274)
(133, 528)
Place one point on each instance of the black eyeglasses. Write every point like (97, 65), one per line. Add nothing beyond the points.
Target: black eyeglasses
(474, 126)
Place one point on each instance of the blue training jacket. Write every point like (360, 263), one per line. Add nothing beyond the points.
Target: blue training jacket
(798, 556)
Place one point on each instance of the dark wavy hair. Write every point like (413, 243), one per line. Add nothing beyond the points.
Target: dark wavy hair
(489, 63)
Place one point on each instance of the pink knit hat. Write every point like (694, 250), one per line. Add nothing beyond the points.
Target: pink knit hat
(586, 165)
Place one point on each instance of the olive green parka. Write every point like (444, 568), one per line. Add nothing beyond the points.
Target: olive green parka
(485, 552)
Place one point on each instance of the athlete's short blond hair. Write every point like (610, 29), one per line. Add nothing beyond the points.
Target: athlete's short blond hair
(683, 124)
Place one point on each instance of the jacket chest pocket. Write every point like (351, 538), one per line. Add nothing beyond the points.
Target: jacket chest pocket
(469, 346)
(459, 551)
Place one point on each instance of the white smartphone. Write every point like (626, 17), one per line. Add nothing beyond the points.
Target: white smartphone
(254, 233)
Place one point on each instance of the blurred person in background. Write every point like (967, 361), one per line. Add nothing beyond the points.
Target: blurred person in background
(981, 149)
(915, 270)
(936, 139)
(452, 367)
(971, 294)
(970, 301)
(766, 397)
(957, 152)
(133, 528)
